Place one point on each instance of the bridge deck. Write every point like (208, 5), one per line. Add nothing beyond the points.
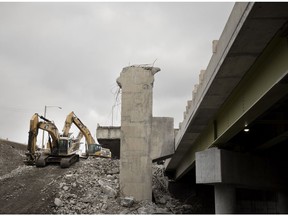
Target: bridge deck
(249, 30)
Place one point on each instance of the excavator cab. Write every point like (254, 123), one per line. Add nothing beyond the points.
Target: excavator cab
(68, 146)
(64, 145)
(92, 148)
(99, 151)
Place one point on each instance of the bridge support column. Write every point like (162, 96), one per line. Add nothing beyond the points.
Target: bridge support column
(136, 123)
(225, 199)
(282, 202)
(228, 170)
(144, 138)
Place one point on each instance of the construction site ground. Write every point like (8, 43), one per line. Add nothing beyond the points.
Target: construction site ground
(90, 186)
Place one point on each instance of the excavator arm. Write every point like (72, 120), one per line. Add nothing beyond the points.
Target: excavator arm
(93, 147)
(53, 132)
(79, 136)
(72, 118)
(67, 124)
(32, 139)
(51, 129)
(35, 125)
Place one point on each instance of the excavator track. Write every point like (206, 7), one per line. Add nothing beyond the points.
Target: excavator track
(41, 161)
(68, 161)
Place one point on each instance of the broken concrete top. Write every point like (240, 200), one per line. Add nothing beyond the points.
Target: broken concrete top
(145, 75)
(146, 67)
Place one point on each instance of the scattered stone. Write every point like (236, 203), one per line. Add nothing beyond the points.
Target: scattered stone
(125, 211)
(105, 198)
(146, 210)
(87, 200)
(113, 171)
(65, 188)
(58, 202)
(109, 191)
(104, 207)
(61, 184)
(110, 177)
(163, 200)
(127, 201)
(162, 211)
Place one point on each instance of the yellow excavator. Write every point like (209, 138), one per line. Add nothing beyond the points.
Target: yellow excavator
(94, 149)
(61, 149)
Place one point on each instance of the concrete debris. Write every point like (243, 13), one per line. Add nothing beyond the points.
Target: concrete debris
(65, 188)
(127, 201)
(107, 189)
(145, 210)
(92, 187)
(57, 202)
(113, 171)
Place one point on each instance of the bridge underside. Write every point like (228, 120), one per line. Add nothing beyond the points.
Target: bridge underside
(234, 136)
(248, 90)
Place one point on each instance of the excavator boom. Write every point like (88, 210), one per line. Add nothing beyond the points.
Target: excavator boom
(72, 118)
(32, 139)
(93, 148)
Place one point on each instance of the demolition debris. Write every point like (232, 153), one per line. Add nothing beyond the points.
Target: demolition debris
(94, 189)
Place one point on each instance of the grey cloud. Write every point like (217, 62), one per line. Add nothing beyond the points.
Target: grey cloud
(70, 54)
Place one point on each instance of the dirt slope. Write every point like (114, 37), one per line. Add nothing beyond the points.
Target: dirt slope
(24, 189)
(10, 156)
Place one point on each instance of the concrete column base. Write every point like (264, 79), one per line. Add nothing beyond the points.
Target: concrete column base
(225, 199)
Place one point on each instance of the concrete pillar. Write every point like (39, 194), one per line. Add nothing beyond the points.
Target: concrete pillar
(224, 169)
(282, 204)
(225, 199)
(136, 83)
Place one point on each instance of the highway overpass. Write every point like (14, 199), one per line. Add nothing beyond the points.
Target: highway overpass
(234, 135)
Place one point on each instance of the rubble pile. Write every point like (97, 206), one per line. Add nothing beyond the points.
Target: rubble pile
(92, 187)
(162, 196)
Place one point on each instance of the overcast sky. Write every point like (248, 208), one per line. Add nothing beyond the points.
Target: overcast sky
(70, 55)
